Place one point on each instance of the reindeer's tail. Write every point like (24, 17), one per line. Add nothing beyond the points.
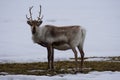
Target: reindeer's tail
(83, 34)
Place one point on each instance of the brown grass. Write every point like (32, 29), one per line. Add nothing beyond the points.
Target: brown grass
(61, 67)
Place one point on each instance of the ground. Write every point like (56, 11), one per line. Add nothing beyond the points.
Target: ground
(95, 68)
(62, 67)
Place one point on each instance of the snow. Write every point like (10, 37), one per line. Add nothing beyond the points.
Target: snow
(98, 59)
(101, 19)
(107, 75)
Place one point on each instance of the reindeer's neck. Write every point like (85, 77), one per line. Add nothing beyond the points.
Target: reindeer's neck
(38, 34)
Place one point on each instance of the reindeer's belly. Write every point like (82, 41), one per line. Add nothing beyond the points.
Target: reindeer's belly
(61, 45)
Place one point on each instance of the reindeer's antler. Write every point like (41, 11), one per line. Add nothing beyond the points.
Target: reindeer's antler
(40, 17)
(30, 18)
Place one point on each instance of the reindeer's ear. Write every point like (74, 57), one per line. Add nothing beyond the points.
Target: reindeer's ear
(29, 22)
(39, 23)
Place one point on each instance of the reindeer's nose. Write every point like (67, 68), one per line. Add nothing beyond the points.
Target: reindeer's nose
(33, 30)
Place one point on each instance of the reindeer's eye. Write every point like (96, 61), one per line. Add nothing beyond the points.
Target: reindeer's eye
(29, 22)
(40, 22)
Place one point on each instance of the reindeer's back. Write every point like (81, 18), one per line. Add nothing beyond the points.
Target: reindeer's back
(56, 31)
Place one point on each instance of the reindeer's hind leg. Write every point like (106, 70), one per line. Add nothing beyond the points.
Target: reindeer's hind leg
(82, 57)
(76, 56)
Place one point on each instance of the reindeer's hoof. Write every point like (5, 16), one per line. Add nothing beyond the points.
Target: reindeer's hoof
(81, 71)
(75, 70)
(50, 69)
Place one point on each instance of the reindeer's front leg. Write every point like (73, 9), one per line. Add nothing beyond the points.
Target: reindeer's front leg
(50, 57)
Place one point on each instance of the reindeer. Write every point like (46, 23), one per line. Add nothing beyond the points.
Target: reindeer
(57, 37)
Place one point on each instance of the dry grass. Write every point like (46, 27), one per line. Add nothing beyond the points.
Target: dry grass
(61, 67)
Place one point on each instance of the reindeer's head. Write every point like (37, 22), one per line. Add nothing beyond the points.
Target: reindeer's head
(34, 23)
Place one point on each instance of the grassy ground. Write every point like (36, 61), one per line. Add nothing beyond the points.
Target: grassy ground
(61, 67)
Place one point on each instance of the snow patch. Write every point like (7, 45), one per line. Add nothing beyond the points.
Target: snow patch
(107, 75)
